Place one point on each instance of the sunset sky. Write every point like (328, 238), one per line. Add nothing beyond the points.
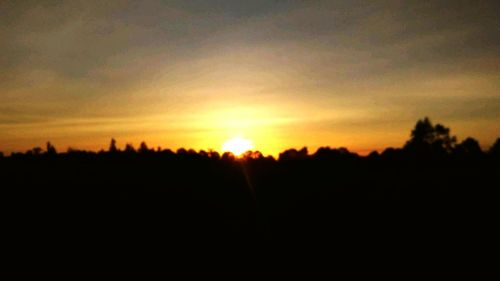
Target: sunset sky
(282, 74)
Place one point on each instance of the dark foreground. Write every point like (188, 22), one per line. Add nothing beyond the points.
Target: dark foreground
(433, 196)
(189, 197)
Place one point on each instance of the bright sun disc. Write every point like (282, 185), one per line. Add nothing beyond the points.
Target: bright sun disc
(237, 146)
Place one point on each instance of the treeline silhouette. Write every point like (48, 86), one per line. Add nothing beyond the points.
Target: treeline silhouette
(433, 181)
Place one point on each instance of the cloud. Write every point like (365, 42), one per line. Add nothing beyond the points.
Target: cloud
(347, 62)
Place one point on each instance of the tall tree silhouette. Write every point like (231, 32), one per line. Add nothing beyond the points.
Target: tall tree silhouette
(143, 148)
(112, 146)
(51, 150)
(427, 138)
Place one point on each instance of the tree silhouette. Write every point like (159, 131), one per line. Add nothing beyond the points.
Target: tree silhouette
(442, 138)
(293, 154)
(327, 152)
(214, 154)
(252, 155)
(112, 146)
(469, 146)
(51, 150)
(427, 138)
(227, 156)
(35, 151)
(143, 148)
(129, 148)
(495, 148)
(201, 192)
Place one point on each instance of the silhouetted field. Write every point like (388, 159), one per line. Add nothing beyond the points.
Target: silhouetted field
(430, 186)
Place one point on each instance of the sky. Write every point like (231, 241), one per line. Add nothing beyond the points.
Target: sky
(283, 74)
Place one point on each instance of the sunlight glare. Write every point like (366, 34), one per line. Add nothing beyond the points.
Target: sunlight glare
(237, 146)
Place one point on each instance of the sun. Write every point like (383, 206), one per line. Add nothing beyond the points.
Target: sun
(237, 146)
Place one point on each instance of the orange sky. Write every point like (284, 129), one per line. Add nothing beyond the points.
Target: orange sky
(283, 74)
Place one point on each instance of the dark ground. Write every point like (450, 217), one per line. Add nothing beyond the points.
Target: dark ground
(111, 198)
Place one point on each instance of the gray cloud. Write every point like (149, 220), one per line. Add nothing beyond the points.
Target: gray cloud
(82, 59)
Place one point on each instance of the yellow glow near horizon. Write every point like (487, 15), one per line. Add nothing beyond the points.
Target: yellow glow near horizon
(237, 146)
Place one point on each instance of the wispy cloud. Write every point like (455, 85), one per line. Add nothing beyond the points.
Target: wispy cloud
(93, 68)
